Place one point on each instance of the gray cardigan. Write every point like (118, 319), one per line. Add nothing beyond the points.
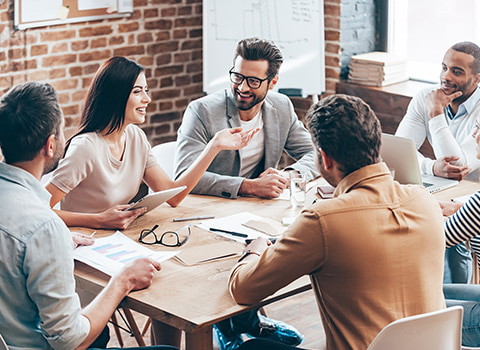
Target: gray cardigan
(208, 115)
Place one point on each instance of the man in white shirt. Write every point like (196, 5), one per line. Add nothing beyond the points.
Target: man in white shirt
(447, 115)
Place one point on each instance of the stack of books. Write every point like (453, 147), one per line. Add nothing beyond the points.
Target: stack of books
(377, 69)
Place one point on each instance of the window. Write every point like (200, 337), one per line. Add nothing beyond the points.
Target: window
(423, 30)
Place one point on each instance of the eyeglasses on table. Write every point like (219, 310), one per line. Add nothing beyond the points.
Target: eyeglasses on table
(167, 238)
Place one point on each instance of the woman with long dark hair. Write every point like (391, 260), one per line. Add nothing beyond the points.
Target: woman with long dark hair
(108, 158)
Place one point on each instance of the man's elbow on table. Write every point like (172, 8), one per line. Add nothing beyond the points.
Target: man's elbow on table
(240, 290)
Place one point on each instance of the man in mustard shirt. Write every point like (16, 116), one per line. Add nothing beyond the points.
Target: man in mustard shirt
(374, 252)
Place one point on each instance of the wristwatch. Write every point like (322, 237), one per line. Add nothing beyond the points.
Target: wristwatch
(247, 253)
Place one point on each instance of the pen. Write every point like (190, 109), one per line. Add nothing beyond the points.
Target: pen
(229, 232)
(194, 218)
(249, 240)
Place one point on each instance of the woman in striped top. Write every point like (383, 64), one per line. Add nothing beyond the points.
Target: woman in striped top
(464, 224)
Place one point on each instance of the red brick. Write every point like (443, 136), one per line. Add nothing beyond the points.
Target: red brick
(169, 12)
(38, 50)
(57, 35)
(185, 11)
(16, 53)
(116, 40)
(129, 51)
(57, 73)
(161, 48)
(180, 34)
(182, 80)
(181, 57)
(192, 44)
(95, 55)
(165, 106)
(75, 71)
(188, 22)
(60, 47)
(95, 31)
(196, 33)
(158, 24)
(128, 27)
(144, 37)
(38, 75)
(194, 67)
(146, 61)
(65, 84)
(166, 82)
(168, 70)
(149, 13)
(79, 95)
(51, 61)
(79, 45)
(91, 68)
(98, 43)
(162, 35)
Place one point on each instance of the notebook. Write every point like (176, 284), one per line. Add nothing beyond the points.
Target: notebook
(400, 155)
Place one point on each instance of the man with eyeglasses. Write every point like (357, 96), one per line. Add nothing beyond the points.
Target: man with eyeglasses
(249, 104)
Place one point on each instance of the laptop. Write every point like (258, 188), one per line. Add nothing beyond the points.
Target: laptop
(153, 200)
(400, 155)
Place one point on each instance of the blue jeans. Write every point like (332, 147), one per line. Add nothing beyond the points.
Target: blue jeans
(262, 344)
(458, 264)
(467, 296)
(236, 325)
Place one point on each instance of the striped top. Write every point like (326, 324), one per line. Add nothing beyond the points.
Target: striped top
(465, 224)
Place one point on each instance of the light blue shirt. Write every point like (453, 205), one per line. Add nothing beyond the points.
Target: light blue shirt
(466, 107)
(38, 303)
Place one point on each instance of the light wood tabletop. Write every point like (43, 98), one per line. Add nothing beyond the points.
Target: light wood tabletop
(192, 298)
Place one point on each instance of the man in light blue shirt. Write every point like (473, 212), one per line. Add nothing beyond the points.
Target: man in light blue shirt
(40, 309)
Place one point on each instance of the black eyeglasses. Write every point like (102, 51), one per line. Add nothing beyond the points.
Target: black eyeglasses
(252, 82)
(168, 238)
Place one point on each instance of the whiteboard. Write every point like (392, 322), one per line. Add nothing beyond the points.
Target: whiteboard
(296, 27)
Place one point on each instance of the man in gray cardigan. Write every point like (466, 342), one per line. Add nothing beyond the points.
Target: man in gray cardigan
(250, 104)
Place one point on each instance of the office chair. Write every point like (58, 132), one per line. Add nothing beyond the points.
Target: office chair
(439, 330)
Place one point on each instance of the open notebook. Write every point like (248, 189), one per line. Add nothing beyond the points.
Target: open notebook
(400, 155)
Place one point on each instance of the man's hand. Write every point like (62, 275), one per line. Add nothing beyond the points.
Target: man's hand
(437, 100)
(449, 207)
(81, 239)
(259, 245)
(139, 273)
(443, 167)
(118, 218)
(270, 184)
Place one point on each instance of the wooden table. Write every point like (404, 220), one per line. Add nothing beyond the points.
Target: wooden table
(192, 298)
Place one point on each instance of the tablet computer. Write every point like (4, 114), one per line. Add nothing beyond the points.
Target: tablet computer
(153, 200)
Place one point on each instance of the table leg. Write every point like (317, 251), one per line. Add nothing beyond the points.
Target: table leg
(199, 340)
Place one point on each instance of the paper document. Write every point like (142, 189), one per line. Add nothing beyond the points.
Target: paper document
(109, 254)
(238, 223)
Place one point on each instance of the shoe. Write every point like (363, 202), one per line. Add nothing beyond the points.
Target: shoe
(225, 343)
(278, 331)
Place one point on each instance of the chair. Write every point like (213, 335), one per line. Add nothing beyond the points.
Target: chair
(439, 330)
(3, 345)
(165, 155)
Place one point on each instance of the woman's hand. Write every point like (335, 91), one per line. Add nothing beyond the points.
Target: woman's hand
(233, 139)
(449, 208)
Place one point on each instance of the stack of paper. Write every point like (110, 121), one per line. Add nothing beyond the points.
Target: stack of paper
(377, 69)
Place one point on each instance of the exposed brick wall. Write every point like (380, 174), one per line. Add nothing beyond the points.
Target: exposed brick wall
(165, 36)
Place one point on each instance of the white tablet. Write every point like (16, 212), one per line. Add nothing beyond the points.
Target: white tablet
(153, 200)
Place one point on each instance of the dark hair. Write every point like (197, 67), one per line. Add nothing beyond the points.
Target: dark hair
(470, 49)
(29, 114)
(347, 130)
(108, 95)
(255, 49)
